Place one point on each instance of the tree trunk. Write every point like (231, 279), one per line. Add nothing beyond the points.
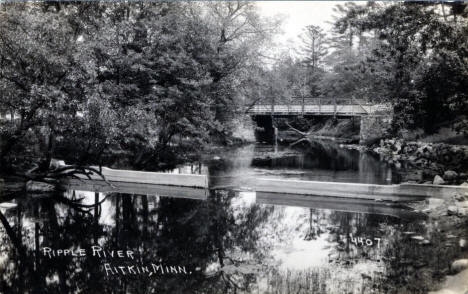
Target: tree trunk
(96, 217)
(304, 134)
(443, 11)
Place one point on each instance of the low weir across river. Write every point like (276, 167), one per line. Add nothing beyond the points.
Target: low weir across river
(138, 182)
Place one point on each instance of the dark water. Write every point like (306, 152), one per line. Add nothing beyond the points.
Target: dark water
(316, 161)
(232, 242)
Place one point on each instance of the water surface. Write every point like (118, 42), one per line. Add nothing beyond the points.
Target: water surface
(312, 160)
(234, 241)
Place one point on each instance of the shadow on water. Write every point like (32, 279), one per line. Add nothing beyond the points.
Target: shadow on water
(228, 243)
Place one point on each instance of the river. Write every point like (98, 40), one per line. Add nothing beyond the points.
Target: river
(309, 160)
(234, 241)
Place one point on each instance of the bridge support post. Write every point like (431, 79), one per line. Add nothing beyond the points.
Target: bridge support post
(303, 105)
(265, 122)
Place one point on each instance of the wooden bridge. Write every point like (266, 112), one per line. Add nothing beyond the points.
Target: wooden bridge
(320, 106)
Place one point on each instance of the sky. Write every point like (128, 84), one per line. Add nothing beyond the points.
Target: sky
(298, 14)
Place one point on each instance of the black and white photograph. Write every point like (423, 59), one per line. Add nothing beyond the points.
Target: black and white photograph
(233, 147)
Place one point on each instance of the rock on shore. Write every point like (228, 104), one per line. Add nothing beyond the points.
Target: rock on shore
(459, 265)
(438, 180)
(441, 163)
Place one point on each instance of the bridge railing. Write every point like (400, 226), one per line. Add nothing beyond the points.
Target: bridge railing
(314, 101)
(341, 109)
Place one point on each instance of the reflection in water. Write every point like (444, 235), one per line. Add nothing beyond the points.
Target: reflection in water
(340, 204)
(230, 242)
(209, 239)
(310, 160)
(226, 244)
(320, 161)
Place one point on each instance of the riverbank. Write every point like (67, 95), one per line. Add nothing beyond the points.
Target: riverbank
(437, 163)
(450, 241)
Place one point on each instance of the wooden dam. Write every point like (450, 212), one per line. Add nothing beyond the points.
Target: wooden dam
(189, 185)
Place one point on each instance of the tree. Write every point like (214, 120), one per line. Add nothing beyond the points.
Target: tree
(314, 46)
(39, 74)
(404, 43)
(238, 35)
(124, 78)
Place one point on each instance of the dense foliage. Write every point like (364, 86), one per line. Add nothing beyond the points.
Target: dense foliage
(92, 81)
(413, 55)
(131, 78)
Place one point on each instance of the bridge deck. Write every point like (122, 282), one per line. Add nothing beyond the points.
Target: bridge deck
(318, 109)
